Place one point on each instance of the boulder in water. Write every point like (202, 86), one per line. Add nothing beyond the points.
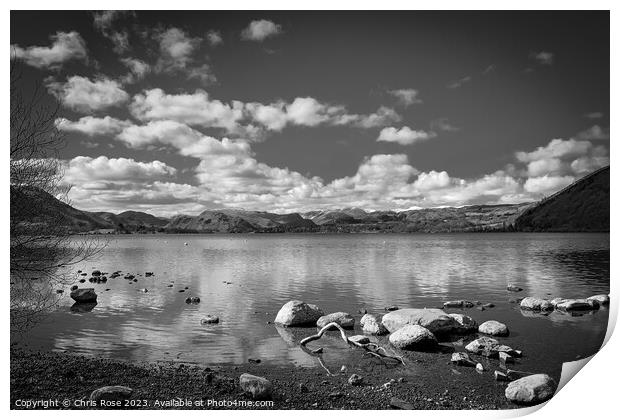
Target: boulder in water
(531, 390)
(466, 323)
(536, 304)
(413, 337)
(361, 339)
(343, 319)
(435, 320)
(513, 288)
(569, 305)
(371, 325)
(297, 313)
(458, 304)
(84, 295)
(462, 359)
(210, 319)
(493, 328)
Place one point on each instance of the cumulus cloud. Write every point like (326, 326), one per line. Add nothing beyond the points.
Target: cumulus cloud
(432, 180)
(65, 46)
(405, 135)
(138, 69)
(84, 170)
(92, 126)
(248, 119)
(83, 95)
(214, 38)
(406, 96)
(259, 30)
(596, 132)
(177, 50)
(544, 58)
(547, 184)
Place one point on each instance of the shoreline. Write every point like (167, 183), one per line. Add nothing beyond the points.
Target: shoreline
(49, 375)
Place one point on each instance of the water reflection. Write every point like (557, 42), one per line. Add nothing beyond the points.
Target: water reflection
(244, 280)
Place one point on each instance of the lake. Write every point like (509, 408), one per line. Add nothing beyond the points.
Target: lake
(245, 279)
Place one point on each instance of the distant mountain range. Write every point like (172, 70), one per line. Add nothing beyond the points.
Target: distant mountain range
(583, 206)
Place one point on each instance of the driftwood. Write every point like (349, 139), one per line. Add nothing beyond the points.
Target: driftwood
(371, 348)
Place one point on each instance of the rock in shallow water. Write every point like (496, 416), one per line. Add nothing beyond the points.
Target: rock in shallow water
(577, 305)
(458, 304)
(298, 313)
(462, 359)
(466, 323)
(343, 319)
(435, 320)
(371, 325)
(493, 328)
(356, 380)
(256, 387)
(210, 319)
(530, 390)
(361, 339)
(413, 337)
(513, 288)
(536, 304)
(111, 393)
(84, 295)
(601, 299)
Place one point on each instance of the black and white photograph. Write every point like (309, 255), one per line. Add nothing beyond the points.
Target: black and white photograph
(306, 209)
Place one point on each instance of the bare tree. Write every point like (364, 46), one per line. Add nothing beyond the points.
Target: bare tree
(42, 246)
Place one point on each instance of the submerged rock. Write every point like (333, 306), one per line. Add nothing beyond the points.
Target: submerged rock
(256, 387)
(413, 337)
(493, 328)
(111, 393)
(298, 313)
(536, 304)
(210, 319)
(458, 304)
(462, 359)
(343, 319)
(371, 325)
(513, 288)
(601, 299)
(435, 320)
(530, 390)
(466, 323)
(577, 305)
(84, 295)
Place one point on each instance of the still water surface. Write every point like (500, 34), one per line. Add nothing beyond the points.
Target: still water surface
(245, 279)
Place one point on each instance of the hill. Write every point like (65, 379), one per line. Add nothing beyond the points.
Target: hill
(581, 207)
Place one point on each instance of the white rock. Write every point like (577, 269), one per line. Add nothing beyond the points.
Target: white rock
(361, 339)
(577, 305)
(257, 387)
(298, 313)
(413, 337)
(493, 328)
(435, 320)
(462, 359)
(371, 325)
(530, 390)
(536, 304)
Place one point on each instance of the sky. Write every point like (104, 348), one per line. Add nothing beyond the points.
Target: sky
(179, 112)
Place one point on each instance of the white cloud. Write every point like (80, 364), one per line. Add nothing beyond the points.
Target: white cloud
(65, 46)
(259, 30)
(545, 166)
(596, 132)
(557, 148)
(81, 94)
(248, 119)
(406, 96)
(138, 69)
(214, 38)
(543, 57)
(432, 180)
(177, 51)
(546, 185)
(84, 170)
(92, 126)
(405, 135)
